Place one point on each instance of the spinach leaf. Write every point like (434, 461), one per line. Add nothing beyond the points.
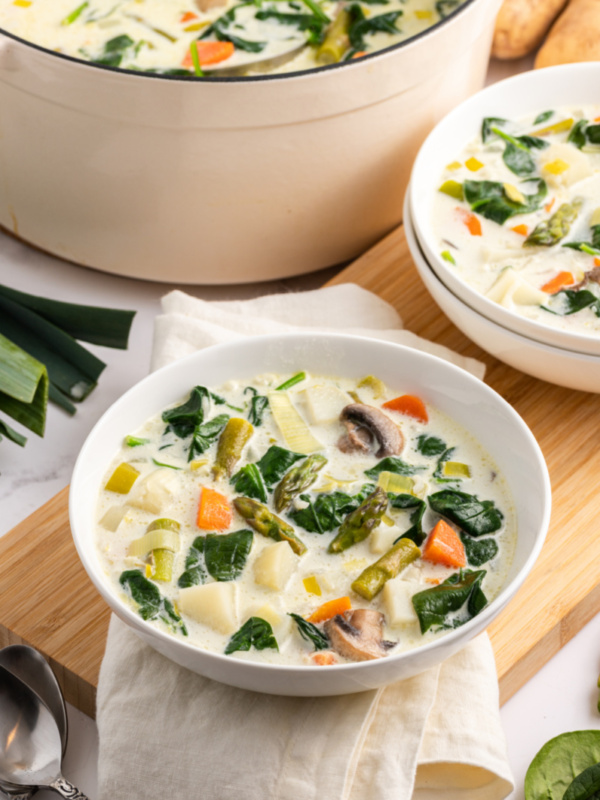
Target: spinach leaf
(183, 419)
(310, 632)
(311, 23)
(151, 604)
(392, 464)
(577, 134)
(115, 50)
(327, 512)
(439, 606)
(586, 786)
(195, 572)
(488, 124)
(569, 301)
(361, 26)
(475, 517)
(220, 29)
(593, 134)
(591, 248)
(430, 445)
(516, 154)
(257, 633)
(225, 555)
(445, 7)
(559, 762)
(479, 551)
(439, 470)
(275, 463)
(489, 199)
(258, 406)
(204, 435)
(409, 501)
(543, 117)
(248, 481)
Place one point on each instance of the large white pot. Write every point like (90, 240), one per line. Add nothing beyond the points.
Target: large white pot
(224, 180)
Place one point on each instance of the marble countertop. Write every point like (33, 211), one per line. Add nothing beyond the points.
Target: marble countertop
(561, 697)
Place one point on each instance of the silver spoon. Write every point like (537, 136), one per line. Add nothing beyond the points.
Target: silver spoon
(31, 667)
(30, 743)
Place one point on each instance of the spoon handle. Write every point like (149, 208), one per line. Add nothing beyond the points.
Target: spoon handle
(65, 789)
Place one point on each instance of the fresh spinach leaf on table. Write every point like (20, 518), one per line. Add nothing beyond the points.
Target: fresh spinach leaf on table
(257, 633)
(475, 517)
(440, 605)
(559, 762)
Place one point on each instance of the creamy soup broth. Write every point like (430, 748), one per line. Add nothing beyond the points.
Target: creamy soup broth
(279, 578)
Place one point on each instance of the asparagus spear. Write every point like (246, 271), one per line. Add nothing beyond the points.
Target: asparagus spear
(552, 230)
(360, 522)
(372, 579)
(234, 437)
(336, 41)
(268, 524)
(297, 480)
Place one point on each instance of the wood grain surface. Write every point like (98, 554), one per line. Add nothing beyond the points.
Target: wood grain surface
(46, 599)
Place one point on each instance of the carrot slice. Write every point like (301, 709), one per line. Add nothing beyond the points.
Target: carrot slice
(330, 609)
(597, 262)
(471, 221)
(522, 229)
(548, 206)
(214, 512)
(444, 546)
(410, 405)
(188, 16)
(557, 282)
(209, 53)
(323, 658)
(360, 54)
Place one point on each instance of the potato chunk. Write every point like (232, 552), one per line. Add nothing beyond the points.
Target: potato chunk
(213, 604)
(397, 599)
(274, 566)
(155, 491)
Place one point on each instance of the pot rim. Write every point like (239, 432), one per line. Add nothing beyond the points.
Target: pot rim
(244, 78)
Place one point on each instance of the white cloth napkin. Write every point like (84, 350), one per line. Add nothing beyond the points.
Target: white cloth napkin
(167, 733)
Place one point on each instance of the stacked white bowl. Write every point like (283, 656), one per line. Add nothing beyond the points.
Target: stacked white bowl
(560, 356)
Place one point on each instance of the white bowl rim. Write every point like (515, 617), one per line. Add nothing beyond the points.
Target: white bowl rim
(536, 330)
(135, 621)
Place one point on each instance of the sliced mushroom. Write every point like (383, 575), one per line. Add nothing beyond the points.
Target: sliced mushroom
(358, 635)
(363, 425)
(591, 275)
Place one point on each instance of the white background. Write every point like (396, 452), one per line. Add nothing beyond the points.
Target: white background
(561, 697)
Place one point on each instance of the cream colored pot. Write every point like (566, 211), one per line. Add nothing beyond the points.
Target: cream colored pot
(224, 180)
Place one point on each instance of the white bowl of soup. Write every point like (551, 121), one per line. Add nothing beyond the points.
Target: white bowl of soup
(220, 179)
(311, 514)
(505, 200)
(576, 371)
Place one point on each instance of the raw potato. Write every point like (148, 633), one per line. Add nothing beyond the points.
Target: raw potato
(521, 26)
(574, 36)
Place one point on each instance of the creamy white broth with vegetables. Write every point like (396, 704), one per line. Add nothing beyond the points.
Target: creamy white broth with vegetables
(304, 520)
(517, 216)
(193, 37)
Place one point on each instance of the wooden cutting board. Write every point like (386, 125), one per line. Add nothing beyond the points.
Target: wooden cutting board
(47, 601)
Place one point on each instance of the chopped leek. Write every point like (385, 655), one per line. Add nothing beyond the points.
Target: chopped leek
(294, 430)
(112, 519)
(70, 18)
(160, 538)
(122, 479)
(297, 378)
(23, 388)
(376, 385)
(135, 441)
(311, 584)
(454, 469)
(398, 484)
(453, 188)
